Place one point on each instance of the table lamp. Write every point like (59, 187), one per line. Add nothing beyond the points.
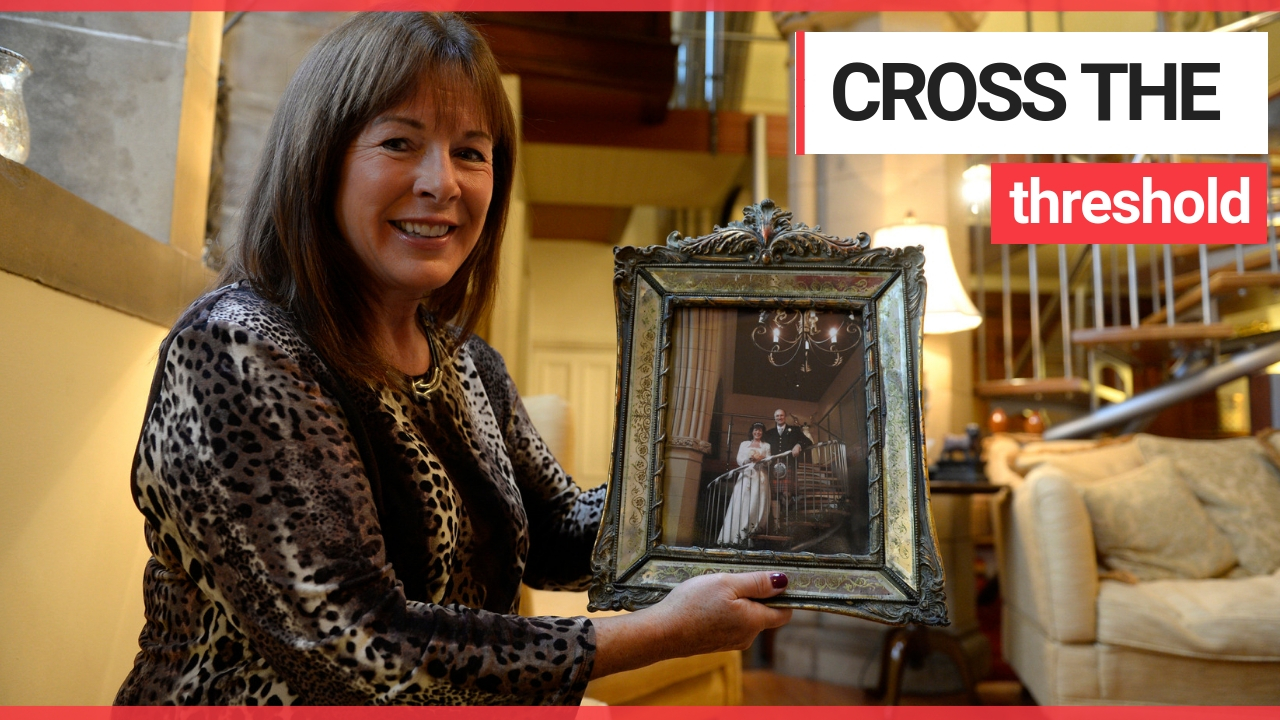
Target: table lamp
(947, 307)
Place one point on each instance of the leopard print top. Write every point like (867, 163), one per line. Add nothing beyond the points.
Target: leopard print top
(271, 580)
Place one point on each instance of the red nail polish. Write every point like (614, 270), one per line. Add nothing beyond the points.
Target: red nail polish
(778, 580)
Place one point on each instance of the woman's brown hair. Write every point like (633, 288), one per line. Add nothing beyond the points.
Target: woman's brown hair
(289, 247)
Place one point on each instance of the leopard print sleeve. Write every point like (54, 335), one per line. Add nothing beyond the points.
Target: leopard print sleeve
(563, 519)
(269, 582)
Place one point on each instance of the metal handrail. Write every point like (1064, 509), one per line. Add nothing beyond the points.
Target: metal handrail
(774, 456)
(1252, 22)
(734, 514)
(1167, 395)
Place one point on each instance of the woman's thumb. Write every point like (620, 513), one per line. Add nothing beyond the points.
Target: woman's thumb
(758, 584)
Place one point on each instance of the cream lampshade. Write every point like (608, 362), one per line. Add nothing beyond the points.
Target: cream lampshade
(947, 307)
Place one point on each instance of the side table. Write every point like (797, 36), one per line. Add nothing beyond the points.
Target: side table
(913, 643)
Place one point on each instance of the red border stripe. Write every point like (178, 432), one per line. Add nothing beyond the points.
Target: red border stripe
(645, 713)
(800, 92)
(639, 5)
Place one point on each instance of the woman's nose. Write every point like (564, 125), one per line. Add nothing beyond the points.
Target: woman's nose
(437, 178)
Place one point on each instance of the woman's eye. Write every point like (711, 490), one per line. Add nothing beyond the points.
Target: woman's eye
(396, 144)
(472, 155)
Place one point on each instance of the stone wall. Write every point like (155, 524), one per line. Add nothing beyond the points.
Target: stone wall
(104, 100)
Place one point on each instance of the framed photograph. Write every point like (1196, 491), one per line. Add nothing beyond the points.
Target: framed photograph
(769, 419)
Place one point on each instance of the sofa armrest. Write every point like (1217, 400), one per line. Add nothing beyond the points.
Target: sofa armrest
(1050, 564)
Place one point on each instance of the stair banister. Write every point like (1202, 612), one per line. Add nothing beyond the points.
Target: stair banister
(1133, 286)
(1155, 279)
(1098, 320)
(1167, 395)
(1205, 302)
(1271, 226)
(1115, 286)
(1033, 278)
(1047, 312)
(1006, 308)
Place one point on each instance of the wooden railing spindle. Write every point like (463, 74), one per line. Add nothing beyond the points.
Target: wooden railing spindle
(1115, 285)
(1007, 310)
(1271, 226)
(1155, 279)
(1033, 278)
(1205, 301)
(1133, 287)
(1098, 321)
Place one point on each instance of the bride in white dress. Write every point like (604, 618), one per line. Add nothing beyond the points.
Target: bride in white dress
(750, 499)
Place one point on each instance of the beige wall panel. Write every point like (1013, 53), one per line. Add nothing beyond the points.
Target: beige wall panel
(573, 335)
(195, 132)
(552, 376)
(1071, 22)
(592, 175)
(508, 323)
(59, 240)
(584, 377)
(766, 88)
(571, 292)
(74, 377)
(597, 415)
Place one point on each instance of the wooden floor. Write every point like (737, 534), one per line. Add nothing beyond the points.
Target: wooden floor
(765, 687)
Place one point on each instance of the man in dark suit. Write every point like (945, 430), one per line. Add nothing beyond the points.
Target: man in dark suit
(783, 437)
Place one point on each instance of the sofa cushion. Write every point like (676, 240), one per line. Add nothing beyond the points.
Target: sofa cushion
(1217, 619)
(1239, 488)
(1081, 461)
(1148, 522)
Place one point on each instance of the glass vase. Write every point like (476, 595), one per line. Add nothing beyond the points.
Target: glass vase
(15, 132)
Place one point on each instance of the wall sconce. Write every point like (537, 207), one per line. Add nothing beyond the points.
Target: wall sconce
(15, 133)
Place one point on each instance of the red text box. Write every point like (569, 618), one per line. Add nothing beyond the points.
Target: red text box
(1121, 203)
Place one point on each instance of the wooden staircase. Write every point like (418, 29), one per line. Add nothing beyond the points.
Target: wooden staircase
(1123, 326)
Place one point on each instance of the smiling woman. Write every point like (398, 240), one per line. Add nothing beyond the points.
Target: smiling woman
(342, 490)
(412, 197)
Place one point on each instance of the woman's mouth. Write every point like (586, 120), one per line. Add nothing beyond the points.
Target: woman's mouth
(421, 230)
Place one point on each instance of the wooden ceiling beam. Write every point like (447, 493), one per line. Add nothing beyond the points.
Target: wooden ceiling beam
(684, 130)
(596, 223)
(603, 65)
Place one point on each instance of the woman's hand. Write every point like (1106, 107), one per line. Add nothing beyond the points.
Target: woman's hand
(705, 614)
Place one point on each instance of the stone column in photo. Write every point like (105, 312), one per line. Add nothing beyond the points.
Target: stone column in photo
(695, 371)
(848, 194)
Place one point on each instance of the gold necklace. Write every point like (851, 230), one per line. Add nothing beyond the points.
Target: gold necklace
(423, 386)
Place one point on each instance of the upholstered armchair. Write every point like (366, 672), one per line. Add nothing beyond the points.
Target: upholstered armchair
(1080, 630)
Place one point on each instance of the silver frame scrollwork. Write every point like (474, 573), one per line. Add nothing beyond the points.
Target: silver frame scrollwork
(766, 260)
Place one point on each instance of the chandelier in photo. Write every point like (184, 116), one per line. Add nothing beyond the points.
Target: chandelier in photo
(789, 334)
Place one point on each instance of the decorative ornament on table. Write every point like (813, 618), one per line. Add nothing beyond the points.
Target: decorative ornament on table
(998, 421)
(961, 459)
(1033, 422)
(15, 132)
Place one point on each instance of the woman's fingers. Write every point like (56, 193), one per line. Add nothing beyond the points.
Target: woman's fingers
(757, 584)
(779, 617)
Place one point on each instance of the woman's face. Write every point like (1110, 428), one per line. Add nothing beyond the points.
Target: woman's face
(413, 195)
(756, 433)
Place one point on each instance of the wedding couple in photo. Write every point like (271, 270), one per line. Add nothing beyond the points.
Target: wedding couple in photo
(750, 500)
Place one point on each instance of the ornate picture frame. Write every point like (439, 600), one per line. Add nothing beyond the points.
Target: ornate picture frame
(713, 333)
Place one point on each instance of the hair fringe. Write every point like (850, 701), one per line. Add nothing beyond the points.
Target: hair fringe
(289, 247)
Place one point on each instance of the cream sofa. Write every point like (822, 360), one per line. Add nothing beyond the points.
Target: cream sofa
(1075, 635)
